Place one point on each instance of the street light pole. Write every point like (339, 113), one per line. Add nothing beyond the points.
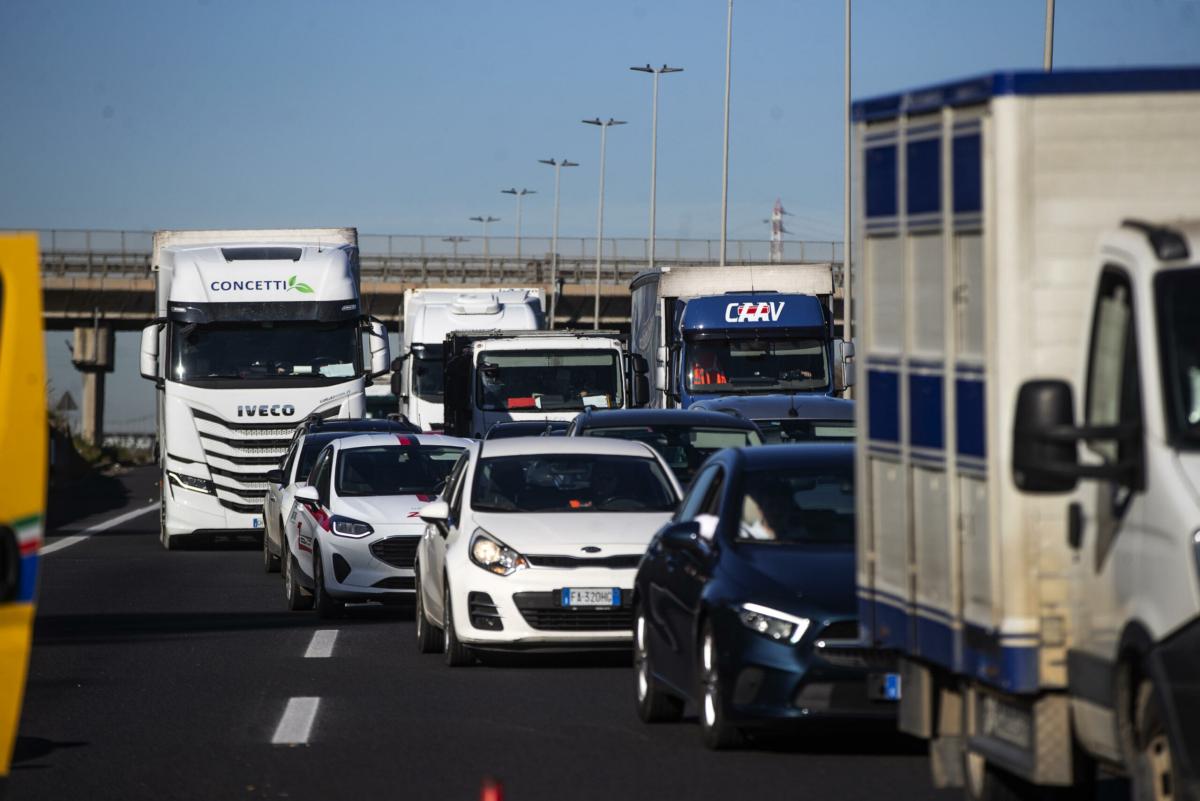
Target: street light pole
(725, 149)
(604, 126)
(557, 165)
(454, 240)
(656, 72)
(847, 281)
(520, 195)
(486, 221)
(1048, 45)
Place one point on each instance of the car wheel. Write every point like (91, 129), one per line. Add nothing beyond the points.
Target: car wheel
(457, 654)
(298, 598)
(429, 637)
(328, 607)
(718, 734)
(270, 560)
(1155, 770)
(654, 704)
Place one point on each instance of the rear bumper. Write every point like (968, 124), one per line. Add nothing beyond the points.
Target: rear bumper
(1175, 667)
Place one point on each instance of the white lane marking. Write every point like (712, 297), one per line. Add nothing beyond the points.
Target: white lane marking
(75, 539)
(296, 724)
(321, 644)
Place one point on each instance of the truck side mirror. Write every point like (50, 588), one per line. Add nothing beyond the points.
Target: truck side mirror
(381, 356)
(639, 390)
(397, 383)
(148, 360)
(843, 367)
(640, 365)
(1045, 454)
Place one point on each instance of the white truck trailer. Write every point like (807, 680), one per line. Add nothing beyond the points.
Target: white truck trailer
(1032, 552)
(428, 315)
(255, 331)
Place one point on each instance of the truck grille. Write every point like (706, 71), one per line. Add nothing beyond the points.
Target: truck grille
(542, 610)
(396, 551)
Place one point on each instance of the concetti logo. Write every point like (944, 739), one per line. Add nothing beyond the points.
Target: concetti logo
(262, 285)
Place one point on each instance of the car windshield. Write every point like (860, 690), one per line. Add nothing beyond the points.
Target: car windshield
(684, 448)
(1178, 293)
(394, 469)
(558, 380)
(756, 365)
(790, 430)
(571, 483)
(303, 352)
(428, 380)
(799, 505)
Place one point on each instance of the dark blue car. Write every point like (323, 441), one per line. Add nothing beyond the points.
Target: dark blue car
(745, 601)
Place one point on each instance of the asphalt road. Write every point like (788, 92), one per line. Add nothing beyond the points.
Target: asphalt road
(166, 675)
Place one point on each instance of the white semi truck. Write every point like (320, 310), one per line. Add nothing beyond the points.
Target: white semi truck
(256, 331)
(428, 315)
(1028, 466)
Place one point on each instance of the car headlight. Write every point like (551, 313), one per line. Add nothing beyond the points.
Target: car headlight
(346, 527)
(494, 556)
(779, 626)
(201, 485)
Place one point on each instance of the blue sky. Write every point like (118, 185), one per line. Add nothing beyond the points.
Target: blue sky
(400, 116)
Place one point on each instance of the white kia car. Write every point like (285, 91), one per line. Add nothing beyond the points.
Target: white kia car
(535, 543)
(354, 528)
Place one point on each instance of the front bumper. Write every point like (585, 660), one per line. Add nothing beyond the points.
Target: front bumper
(376, 567)
(189, 512)
(528, 608)
(1175, 669)
(772, 683)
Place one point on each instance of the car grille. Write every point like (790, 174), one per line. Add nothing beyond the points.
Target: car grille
(543, 611)
(623, 562)
(396, 551)
(396, 583)
(840, 630)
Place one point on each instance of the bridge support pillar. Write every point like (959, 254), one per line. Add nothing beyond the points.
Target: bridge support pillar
(92, 355)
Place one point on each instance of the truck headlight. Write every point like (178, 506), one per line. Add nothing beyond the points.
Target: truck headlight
(779, 626)
(346, 527)
(201, 485)
(494, 556)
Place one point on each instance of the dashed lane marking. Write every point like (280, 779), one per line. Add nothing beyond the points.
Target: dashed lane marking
(75, 539)
(321, 644)
(296, 724)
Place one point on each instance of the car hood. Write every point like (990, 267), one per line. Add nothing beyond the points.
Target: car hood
(615, 533)
(812, 577)
(384, 510)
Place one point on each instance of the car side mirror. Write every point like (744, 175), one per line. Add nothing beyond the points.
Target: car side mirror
(436, 513)
(1045, 453)
(275, 476)
(308, 495)
(682, 536)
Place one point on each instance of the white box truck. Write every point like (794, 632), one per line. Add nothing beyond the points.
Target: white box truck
(1029, 457)
(428, 315)
(256, 330)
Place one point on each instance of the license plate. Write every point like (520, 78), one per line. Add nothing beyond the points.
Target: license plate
(591, 597)
(884, 686)
(256, 522)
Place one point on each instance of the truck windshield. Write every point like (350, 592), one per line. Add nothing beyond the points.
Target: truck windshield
(316, 353)
(571, 483)
(395, 470)
(683, 448)
(428, 373)
(740, 366)
(1177, 295)
(547, 380)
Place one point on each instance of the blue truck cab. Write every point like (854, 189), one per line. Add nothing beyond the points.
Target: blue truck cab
(709, 334)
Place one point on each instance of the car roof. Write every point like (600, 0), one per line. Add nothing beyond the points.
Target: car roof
(526, 425)
(617, 418)
(778, 407)
(376, 440)
(523, 446)
(807, 454)
(361, 424)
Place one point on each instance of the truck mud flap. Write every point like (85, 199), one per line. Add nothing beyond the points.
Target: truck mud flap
(1029, 737)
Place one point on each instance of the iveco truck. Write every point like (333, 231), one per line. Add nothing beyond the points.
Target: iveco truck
(255, 331)
(428, 315)
(1029, 425)
(710, 333)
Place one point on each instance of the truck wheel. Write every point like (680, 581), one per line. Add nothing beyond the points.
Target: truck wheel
(457, 654)
(298, 598)
(717, 732)
(270, 560)
(654, 704)
(1155, 777)
(429, 637)
(328, 607)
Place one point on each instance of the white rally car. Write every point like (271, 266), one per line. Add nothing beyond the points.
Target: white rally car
(354, 528)
(535, 543)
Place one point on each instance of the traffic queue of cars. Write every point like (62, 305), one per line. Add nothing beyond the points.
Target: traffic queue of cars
(727, 568)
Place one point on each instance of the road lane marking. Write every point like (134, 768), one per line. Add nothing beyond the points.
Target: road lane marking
(321, 644)
(75, 539)
(296, 723)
